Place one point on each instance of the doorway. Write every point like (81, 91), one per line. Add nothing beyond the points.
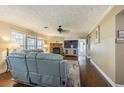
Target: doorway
(82, 47)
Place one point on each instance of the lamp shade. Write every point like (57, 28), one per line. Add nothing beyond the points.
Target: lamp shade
(14, 45)
(4, 44)
(45, 46)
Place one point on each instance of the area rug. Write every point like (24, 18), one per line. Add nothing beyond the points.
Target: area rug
(74, 74)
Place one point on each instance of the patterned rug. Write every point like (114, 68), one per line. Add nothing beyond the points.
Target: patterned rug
(74, 74)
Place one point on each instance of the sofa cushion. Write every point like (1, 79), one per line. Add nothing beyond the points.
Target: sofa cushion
(18, 50)
(49, 56)
(33, 50)
(31, 55)
(20, 55)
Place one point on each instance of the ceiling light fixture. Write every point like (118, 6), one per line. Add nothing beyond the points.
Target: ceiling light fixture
(45, 27)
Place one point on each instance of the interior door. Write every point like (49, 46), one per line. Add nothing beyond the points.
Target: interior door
(82, 47)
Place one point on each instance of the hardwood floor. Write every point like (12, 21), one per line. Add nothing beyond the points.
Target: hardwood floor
(70, 57)
(6, 81)
(88, 75)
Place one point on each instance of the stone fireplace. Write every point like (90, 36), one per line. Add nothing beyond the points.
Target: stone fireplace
(56, 48)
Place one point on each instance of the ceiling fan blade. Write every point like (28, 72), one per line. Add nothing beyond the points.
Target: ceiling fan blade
(61, 30)
(65, 30)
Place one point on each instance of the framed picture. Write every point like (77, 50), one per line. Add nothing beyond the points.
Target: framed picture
(121, 34)
(97, 34)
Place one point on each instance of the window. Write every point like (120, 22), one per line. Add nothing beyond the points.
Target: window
(17, 37)
(31, 42)
(39, 43)
(27, 41)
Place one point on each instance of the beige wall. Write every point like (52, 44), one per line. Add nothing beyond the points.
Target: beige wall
(54, 40)
(119, 51)
(5, 33)
(6, 29)
(103, 53)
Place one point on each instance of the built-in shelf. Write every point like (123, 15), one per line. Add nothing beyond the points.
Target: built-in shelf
(71, 51)
(71, 47)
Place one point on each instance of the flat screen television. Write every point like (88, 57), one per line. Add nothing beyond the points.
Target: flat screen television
(71, 44)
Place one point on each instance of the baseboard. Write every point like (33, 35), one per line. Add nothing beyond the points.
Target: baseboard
(108, 79)
(2, 68)
(118, 85)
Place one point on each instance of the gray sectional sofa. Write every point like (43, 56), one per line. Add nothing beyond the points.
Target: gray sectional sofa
(38, 68)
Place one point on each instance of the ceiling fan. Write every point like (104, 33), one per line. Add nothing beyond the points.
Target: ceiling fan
(61, 30)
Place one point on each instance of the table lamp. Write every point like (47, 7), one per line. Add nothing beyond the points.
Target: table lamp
(14, 45)
(45, 47)
(4, 44)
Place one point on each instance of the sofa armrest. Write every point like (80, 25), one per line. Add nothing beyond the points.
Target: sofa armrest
(64, 69)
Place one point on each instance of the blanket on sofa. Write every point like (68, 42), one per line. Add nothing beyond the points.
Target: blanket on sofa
(74, 74)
